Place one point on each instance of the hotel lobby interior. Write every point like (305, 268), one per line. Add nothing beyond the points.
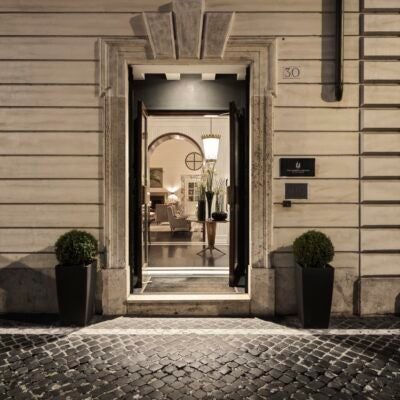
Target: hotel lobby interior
(180, 257)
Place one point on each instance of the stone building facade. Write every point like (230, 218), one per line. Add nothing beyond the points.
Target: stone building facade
(62, 117)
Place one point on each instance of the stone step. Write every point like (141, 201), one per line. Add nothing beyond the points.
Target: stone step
(211, 305)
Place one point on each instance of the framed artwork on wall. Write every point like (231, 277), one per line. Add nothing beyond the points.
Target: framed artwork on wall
(156, 177)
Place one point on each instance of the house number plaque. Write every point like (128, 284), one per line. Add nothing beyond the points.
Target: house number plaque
(291, 72)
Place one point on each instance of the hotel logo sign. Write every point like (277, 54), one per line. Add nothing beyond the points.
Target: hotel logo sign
(297, 167)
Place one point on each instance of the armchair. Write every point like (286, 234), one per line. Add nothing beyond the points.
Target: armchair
(177, 223)
(161, 213)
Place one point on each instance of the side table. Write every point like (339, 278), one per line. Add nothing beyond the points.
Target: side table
(203, 228)
(211, 226)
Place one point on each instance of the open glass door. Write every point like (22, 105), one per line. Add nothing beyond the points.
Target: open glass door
(139, 196)
(238, 198)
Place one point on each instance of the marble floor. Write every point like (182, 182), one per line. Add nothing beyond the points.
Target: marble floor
(179, 269)
(182, 255)
(174, 265)
(175, 237)
(188, 284)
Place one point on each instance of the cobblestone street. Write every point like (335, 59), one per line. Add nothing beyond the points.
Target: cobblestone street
(172, 358)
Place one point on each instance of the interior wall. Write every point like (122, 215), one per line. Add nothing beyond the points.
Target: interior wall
(195, 127)
(170, 156)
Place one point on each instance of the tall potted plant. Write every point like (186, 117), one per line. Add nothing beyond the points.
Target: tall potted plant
(76, 253)
(209, 186)
(219, 188)
(313, 251)
(201, 203)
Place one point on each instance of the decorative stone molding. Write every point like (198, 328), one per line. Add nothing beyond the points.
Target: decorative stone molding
(188, 18)
(160, 31)
(187, 23)
(116, 55)
(217, 29)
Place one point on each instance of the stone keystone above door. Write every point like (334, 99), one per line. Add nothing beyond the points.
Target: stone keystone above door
(187, 32)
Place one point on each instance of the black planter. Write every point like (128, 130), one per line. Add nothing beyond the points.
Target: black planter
(314, 287)
(209, 196)
(219, 216)
(201, 210)
(75, 293)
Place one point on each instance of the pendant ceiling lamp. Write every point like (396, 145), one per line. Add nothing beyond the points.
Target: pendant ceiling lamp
(211, 144)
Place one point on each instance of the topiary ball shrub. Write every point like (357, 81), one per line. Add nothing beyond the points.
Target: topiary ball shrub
(76, 248)
(313, 249)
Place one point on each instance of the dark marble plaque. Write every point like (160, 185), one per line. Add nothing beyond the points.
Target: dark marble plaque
(296, 191)
(297, 167)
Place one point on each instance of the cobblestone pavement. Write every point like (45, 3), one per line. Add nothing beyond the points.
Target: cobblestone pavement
(202, 358)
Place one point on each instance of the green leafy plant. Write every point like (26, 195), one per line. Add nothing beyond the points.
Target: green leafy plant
(313, 249)
(76, 248)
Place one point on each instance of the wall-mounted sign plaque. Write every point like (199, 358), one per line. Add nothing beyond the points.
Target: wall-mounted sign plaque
(296, 191)
(297, 167)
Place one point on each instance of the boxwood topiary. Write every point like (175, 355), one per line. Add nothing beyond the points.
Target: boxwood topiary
(76, 248)
(313, 249)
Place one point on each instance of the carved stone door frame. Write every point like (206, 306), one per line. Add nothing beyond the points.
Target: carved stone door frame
(115, 56)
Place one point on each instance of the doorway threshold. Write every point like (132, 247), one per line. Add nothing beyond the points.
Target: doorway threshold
(177, 304)
(186, 284)
(178, 297)
(176, 243)
(186, 271)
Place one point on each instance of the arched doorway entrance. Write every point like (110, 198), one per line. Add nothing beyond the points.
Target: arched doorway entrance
(173, 136)
(173, 159)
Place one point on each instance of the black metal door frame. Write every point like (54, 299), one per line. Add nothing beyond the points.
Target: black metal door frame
(241, 193)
